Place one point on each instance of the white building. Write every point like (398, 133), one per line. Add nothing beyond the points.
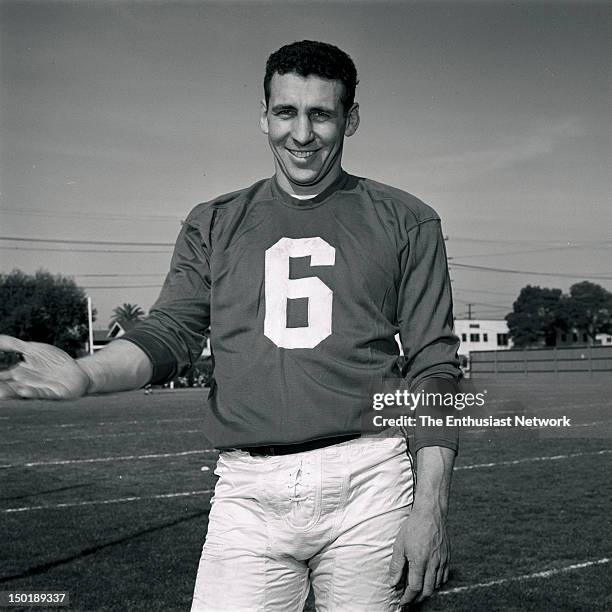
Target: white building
(482, 335)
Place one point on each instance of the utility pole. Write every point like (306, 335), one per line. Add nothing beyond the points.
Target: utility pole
(448, 259)
(469, 306)
(90, 325)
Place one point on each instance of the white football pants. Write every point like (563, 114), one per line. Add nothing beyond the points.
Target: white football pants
(326, 517)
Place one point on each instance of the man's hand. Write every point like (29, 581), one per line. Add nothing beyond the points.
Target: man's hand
(45, 372)
(423, 544)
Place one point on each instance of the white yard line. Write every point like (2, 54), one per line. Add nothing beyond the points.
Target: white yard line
(134, 422)
(108, 459)
(119, 500)
(112, 435)
(475, 466)
(523, 577)
(484, 429)
(87, 424)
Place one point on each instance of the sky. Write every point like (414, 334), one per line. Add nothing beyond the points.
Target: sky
(116, 118)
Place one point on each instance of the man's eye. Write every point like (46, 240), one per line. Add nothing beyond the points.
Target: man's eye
(320, 116)
(284, 113)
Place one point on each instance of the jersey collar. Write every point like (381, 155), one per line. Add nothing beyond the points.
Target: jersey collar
(340, 183)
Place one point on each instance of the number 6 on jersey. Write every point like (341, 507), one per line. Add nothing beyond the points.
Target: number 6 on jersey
(279, 288)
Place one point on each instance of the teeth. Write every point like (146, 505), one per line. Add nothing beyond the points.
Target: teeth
(303, 154)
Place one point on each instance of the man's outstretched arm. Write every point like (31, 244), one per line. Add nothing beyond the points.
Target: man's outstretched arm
(46, 372)
(423, 542)
(167, 342)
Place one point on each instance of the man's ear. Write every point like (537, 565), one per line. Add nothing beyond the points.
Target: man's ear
(263, 117)
(352, 120)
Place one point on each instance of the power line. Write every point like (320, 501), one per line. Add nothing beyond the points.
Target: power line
(123, 287)
(113, 274)
(482, 313)
(504, 306)
(105, 242)
(529, 242)
(527, 251)
(17, 248)
(81, 214)
(95, 275)
(507, 271)
(484, 291)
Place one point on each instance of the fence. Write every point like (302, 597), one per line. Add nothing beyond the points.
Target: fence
(581, 361)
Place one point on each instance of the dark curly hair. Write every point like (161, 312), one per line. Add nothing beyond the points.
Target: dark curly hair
(321, 59)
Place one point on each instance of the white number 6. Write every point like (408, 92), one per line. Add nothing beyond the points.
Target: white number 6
(279, 288)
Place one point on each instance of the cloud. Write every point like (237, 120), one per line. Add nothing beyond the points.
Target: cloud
(507, 149)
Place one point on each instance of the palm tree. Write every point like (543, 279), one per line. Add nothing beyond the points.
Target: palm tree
(127, 313)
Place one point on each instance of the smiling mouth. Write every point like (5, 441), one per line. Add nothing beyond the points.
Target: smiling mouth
(301, 154)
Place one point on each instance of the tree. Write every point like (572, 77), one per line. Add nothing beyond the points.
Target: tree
(44, 308)
(589, 309)
(536, 317)
(127, 313)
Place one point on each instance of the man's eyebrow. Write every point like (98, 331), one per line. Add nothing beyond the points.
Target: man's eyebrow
(323, 109)
(282, 107)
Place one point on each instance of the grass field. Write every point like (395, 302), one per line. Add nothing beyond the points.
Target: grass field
(108, 498)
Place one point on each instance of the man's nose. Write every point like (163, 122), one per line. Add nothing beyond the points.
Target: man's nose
(302, 130)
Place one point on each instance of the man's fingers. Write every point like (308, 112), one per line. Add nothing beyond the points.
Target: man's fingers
(6, 375)
(429, 582)
(16, 390)
(397, 564)
(439, 577)
(446, 573)
(416, 576)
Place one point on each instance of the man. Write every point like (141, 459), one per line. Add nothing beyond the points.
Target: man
(304, 280)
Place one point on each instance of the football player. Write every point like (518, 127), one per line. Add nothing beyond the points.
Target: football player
(304, 279)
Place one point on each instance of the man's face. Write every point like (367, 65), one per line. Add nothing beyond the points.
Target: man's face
(306, 124)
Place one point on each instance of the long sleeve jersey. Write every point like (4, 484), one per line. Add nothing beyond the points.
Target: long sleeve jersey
(303, 299)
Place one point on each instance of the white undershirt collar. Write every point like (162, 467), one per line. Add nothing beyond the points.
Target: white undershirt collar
(303, 197)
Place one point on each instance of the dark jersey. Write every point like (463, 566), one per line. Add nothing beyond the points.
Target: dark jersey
(303, 300)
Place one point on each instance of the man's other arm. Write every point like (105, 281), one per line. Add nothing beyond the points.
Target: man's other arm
(425, 319)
